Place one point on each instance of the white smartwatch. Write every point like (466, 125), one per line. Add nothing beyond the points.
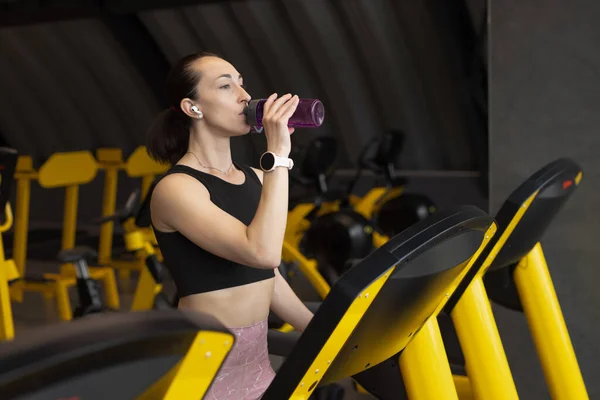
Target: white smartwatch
(269, 161)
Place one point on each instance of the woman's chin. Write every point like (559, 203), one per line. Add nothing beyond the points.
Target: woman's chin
(244, 130)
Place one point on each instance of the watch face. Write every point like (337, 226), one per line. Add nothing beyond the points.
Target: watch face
(267, 161)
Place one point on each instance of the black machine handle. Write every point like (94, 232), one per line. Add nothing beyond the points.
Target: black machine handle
(130, 210)
(156, 268)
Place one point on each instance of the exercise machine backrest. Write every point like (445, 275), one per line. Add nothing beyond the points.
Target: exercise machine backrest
(318, 158)
(390, 147)
(8, 163)
(375, 308)
(540, 197)
(524, 218)
(380, 155)
(552, 186)
(101, 355)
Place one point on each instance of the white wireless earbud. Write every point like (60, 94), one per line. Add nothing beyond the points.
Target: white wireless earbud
(195, 109)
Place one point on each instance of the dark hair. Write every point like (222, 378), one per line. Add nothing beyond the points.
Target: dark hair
(169, 134)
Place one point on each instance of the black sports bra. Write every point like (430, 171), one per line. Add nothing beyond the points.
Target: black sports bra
(195, 270)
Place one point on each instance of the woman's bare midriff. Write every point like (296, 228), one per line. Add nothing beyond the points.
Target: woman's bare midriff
(234, 307)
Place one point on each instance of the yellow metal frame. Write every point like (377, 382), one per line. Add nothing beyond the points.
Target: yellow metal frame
(297, 225)
(68, 170)
(147, 288)
(8, 272)
(548, 327)
(24, 174)
(138, 165)
(110, 161)
(192, 376)
(308, 267)
(424, 364)
(371, 202)
(488, 371)
(142, 241)
(290, 253)
(339, 336)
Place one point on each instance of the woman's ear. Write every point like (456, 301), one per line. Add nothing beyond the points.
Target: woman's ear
(191, 109)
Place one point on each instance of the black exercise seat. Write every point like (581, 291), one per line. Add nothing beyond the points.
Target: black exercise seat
(379, 305)
(69, 256)
(111, 356)
(77, 254)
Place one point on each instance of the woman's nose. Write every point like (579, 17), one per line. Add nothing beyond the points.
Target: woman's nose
(245, 96)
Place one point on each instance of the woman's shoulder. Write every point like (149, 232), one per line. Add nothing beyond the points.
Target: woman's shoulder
(178, 179)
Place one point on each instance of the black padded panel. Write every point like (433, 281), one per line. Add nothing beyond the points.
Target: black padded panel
(98, 350)
(77, 253)
(319, 156)
(556, 183)
(428, 256)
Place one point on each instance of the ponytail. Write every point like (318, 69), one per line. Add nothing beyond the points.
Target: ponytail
(169, 136)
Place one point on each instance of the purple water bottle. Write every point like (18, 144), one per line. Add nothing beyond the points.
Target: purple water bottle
(309, 114)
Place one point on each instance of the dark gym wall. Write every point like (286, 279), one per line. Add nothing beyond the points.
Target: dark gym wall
(544, 99)
(83, 82)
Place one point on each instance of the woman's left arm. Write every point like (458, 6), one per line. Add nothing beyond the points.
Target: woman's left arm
(287, 306)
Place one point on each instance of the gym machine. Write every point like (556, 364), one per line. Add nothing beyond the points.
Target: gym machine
(472, 341)
(385, 307)
(137, 166)
(165, 354)
(134, 217)
(68, 171)
(327, 233)
(515, 275)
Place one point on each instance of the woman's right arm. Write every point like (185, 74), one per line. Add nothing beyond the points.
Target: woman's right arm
(192, 213)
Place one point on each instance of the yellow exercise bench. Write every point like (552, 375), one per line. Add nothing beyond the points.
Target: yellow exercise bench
(138, 165)
(61, 170)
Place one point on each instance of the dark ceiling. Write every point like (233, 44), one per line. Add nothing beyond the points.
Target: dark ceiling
(89, 74)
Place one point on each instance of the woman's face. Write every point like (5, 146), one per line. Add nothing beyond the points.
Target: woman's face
(221, 97)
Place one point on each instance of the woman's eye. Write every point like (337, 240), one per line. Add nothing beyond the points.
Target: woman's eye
(225, 86)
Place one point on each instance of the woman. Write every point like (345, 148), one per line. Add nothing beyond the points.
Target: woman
(220, 225)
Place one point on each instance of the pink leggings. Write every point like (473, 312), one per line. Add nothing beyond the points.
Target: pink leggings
(246, 373)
